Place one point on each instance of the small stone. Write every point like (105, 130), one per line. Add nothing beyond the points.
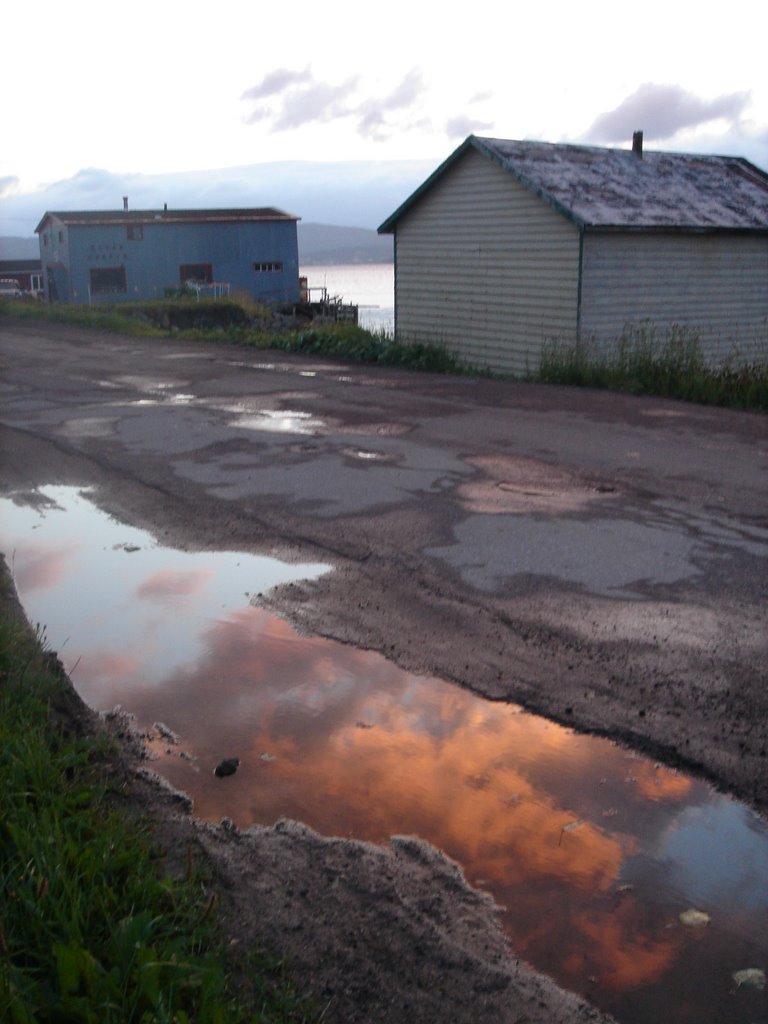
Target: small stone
(226, 767)
(750, 977)
(694, 918)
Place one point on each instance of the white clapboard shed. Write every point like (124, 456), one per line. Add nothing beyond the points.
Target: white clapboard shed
(509, 246)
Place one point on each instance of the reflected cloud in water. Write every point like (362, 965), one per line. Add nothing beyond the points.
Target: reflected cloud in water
(591, 851)
(165, 583)
(40, 566)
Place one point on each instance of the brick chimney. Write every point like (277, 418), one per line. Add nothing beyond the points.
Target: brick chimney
(637, 144)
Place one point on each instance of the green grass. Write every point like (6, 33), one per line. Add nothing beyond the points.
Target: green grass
(91, 928)
(644, 362)
(241, 322)
(358, 345)
(103, 318)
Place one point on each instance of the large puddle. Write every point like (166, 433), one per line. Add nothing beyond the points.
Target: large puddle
(594, 853)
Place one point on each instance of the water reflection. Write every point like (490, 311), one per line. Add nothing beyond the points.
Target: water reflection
(109, 592)
(592, 851)
(282, 421)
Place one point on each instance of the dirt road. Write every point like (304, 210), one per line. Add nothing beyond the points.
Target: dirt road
(600, 559)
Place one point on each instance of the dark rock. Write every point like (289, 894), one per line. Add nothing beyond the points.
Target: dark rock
(227, 767)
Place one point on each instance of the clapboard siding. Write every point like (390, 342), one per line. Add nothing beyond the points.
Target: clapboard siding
(486, 268)
(713, 284)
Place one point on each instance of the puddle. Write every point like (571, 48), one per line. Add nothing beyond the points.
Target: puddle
(367, 456)
(283, 421)
(593, 852)
(99, 583)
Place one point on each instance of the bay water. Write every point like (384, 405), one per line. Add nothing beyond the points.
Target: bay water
(369, 286)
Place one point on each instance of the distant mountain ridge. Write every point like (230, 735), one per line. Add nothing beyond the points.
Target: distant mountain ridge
(329, 243)
(13, 247)
(353, 193)
(318, 243)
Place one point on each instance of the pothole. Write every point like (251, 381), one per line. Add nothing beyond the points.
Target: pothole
(521, 485)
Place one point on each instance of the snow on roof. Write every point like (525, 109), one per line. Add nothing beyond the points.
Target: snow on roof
(616, 188)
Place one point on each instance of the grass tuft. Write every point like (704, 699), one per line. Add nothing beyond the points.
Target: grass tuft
(645, 363)
(90, 928)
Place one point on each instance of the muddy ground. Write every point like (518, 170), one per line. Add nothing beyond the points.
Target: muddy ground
(599, 559)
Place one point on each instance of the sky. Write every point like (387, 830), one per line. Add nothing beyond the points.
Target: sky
(149, 94)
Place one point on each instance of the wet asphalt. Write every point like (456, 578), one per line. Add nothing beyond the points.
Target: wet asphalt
(590, 555)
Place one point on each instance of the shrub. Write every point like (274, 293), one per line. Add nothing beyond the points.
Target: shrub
(644, 363)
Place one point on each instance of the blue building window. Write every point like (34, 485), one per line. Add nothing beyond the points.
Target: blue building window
(268, 268)
(202, 273)
(134, 232)
(108, 281)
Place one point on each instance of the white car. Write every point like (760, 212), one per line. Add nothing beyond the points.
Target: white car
(9, 289)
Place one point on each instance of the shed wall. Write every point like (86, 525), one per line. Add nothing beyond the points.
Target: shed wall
(486, 268)
(715, 285)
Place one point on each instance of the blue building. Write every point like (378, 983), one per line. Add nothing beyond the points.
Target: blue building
(118, 256)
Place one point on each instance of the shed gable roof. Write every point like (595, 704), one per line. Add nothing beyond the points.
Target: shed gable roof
(112, 217)
(614, 188)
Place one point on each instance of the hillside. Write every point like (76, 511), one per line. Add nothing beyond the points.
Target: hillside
(328, 243)
(16, 248)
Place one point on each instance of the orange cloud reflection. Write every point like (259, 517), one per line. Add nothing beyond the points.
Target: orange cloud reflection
(452, 791)
(347, 742)
(98, 665)
(41, 566)
(629, 951)
(167, 583)
(658, 783)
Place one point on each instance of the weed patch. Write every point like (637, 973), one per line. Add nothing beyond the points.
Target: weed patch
(91, 929)
(644, 363)
(361, 346)
(244, 323)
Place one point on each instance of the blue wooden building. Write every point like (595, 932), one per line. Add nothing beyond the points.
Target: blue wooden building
(116, 256)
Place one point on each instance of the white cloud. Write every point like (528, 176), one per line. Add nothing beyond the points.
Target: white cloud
(319, 102)
(8, 184)
(239, 87)
(373, 122)
(297, 99)
(277, 81)
(460, 127)
(661, 111)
